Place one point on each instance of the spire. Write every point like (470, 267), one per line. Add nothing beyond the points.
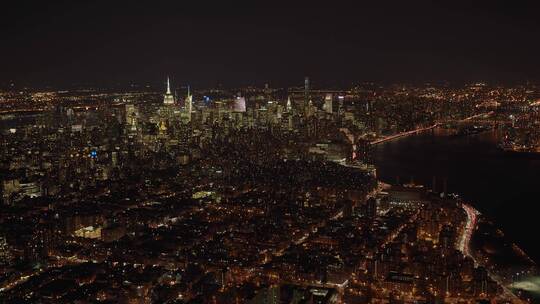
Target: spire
(189, 101)
(289, 104)
(168, 97)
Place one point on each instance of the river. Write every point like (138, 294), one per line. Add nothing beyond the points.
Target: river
(505, 187)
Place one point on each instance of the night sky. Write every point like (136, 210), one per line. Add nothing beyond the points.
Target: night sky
(257, 42)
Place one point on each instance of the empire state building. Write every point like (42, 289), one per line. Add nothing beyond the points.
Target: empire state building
(168, 97)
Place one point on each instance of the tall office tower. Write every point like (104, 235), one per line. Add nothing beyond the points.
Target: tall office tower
(131, 117)
(267, 91)
(310, 108)
(184, 136)
(328, 103)
(168, 97)
(189, 100)
(289, 104)
(306, 91)
(239, 104)
(188, 107)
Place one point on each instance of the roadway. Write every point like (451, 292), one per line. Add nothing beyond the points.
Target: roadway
(470, 227)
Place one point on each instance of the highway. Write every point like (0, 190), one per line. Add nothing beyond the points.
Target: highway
(470, 227)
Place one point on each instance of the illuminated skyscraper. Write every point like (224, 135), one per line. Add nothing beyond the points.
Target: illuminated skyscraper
(188, 107)
(306, 91)
(189, 100)
(289, 104)
(131, 117)
(168, 98)
(239, 104)
(328, 103)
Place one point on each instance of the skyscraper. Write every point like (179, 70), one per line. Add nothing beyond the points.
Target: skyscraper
(168, 97)
(289, 104)
(239, 104)
(188, 107)
(328, 103)
(306, 91)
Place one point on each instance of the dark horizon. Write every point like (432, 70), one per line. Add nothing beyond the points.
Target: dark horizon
(207, 44)
(158, 87)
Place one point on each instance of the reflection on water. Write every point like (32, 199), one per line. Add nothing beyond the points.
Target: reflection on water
(501, 185)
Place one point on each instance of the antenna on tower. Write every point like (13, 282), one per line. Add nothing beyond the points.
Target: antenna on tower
(289, 104)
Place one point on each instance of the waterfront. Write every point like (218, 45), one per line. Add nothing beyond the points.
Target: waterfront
(500, 185)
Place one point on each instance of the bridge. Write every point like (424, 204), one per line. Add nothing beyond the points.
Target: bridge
(478, 118)
(402, 134)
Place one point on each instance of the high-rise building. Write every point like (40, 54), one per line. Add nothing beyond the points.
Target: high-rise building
(131, 117)
(306, 91)
(188, 106)
(189, 101)
(289, 104)
(239, 104)
(327, 107)
(168, 97)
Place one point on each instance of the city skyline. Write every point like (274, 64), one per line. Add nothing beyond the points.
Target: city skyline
(258, 194)
(267, 153)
